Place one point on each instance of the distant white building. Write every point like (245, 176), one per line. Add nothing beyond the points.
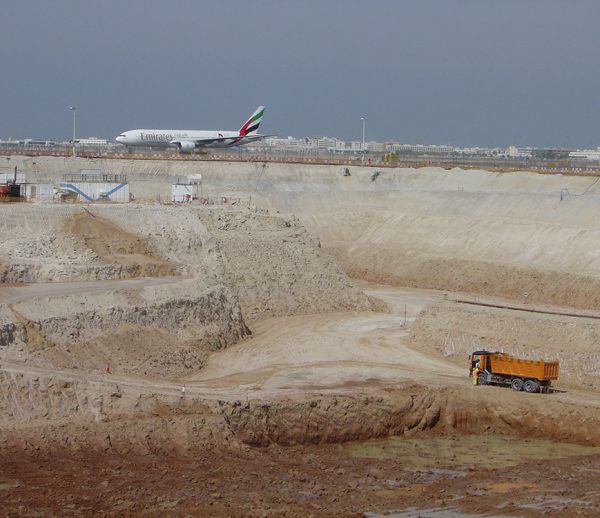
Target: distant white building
(92, 141)
(423, 149)
(37, 191)
(283, 144)
(328, 143)
(480, 151)
(518, 152)
(335, 145)
(375, 147)
(586, 154)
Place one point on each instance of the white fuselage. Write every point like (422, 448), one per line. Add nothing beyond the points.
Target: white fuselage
(160, 138)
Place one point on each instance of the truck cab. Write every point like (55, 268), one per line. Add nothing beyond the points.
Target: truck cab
(479, 359)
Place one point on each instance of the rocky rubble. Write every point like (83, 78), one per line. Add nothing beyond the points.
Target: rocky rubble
(277, 268)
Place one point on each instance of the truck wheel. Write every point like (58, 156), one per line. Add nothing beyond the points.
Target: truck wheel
(517, 384)
(531, 386)
(481, 379)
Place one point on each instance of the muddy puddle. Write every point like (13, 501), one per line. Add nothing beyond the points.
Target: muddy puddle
(462, 453)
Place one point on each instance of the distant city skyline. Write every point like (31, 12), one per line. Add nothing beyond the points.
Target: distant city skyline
(461, 72)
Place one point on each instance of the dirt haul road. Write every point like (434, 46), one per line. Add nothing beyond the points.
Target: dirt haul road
(330, 350)
(21, 293)
(288, 354)
(325, 353)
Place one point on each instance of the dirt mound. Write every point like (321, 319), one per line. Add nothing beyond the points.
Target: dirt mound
(105, 238)
(276, 268)
(135, 349)
(66, 243)
(272, 264)
(407, 411)
(243, 265)
(112, 244)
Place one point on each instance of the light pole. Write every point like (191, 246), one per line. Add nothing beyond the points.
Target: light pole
(73, 109)
(363, 140)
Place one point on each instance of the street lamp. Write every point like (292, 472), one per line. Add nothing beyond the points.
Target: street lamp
(73, 109)
(363, 140)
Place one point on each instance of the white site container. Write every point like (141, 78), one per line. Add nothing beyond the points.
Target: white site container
(182, 192)
(37, 191)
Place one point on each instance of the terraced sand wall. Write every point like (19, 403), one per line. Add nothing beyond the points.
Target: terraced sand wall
(502, 234)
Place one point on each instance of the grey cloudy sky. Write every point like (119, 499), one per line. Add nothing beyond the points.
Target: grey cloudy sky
(464, 72)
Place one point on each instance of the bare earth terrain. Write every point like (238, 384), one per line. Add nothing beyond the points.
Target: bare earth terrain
(240, 359)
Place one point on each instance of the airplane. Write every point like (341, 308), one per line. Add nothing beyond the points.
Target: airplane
(188, 140)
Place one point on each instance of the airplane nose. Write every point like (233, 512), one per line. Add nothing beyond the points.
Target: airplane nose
(120, 139)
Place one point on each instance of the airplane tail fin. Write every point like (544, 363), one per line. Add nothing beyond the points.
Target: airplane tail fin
(251, 125)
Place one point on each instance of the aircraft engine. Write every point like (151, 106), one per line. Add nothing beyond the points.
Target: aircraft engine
(186, 146)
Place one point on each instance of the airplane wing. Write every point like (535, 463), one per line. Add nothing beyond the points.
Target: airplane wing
(212, 140)
(198, 141)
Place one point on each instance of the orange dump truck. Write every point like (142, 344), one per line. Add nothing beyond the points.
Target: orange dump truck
(502, 369)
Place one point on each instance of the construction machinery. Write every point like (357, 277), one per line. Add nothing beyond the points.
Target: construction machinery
(502, 369)
(10, 189)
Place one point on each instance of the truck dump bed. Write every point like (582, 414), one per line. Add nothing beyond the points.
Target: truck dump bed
(504, 364)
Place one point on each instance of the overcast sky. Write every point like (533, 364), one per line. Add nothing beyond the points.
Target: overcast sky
(461, 72)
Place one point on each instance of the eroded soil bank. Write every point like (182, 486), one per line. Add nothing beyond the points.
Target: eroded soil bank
(50, 414)
(463, 452)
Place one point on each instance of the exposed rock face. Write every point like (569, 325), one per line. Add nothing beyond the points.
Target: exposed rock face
(160, 330)
(229, 267)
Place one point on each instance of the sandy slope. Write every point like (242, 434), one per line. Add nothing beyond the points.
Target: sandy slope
(319, 368)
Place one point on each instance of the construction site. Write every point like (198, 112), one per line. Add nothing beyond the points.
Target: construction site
(207, 338)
